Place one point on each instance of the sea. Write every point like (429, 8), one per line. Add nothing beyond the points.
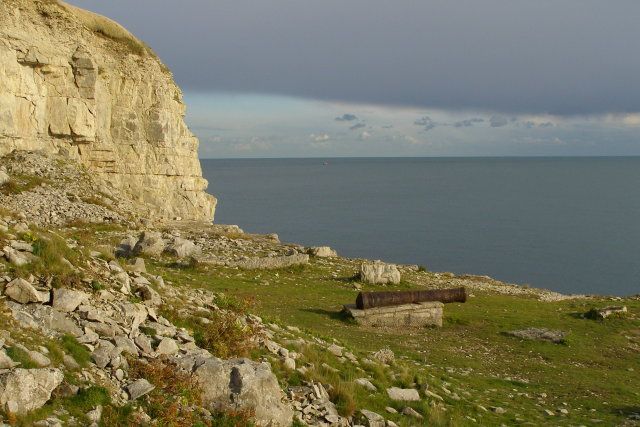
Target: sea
(569, 224)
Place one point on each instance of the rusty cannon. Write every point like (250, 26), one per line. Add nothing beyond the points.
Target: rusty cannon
(367, 300)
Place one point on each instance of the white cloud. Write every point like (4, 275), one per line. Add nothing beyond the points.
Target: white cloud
(321, 137)
(365, 135)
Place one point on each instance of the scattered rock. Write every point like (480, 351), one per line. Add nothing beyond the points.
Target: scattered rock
(23, 390)
(336, 350)
(410, 412)
(322, 252)
(139, 388)
(384, 355)
(23, 292)
(539, 334)
(182, 248)
(379, 273)
(366, 384)
(150, 243)
(404, 394)
(6, 362)
(269, 263)
(603, 313)
(67, 300)
(137, 266)
(167, 347)
(372, 419)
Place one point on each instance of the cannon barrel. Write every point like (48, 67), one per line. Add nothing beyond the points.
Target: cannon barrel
(384, 299)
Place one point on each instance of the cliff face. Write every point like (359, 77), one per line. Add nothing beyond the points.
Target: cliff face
(79, 84)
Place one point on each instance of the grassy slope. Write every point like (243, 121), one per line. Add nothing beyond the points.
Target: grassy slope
(595, 375)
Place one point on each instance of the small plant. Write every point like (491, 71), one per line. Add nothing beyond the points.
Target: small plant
(422, 269)
(342, 395)
(175, 393)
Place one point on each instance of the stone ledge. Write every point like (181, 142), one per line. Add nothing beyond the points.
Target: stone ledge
(407, 315)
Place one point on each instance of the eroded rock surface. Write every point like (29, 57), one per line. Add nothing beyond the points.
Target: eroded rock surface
(76, 83)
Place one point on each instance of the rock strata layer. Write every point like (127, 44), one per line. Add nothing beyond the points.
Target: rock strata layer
(76, 83)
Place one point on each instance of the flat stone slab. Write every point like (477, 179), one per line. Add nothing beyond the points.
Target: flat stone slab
(407, 315)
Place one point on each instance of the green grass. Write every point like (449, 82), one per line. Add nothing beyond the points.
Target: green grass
(22, 357)
(469, 355)
(79, 352)
(52, 251)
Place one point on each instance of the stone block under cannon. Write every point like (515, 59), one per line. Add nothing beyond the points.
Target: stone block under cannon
(403, 308)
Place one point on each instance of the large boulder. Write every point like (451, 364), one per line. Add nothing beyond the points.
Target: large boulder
(150, 243)
(182, 248)
(322, 252)
(379, 273)
(23, 292)
(244, 384)
(24, 390)
(67, 300)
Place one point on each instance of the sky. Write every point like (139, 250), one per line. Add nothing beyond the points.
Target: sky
(311, 78)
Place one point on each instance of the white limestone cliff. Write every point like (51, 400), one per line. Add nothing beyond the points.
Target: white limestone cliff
(76, 83)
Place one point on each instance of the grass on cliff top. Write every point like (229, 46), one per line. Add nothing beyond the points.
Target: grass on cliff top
(594, 375)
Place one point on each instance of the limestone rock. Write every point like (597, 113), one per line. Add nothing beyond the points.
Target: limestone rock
(150, 243)
(384, 355)
(17, 258)
(6, 362)
(167, 346)
(23, 292)
(603, 313)
(182, 248)
(410, 412)
(366, 384)
(4, 177)
(78, 83)
(406, 394)
(268, 263)
(244, 384)
(373, 419)
(379, 273)
(539, 334)
(67, 300)
(23, 390)
(139, 388)
(322, 252)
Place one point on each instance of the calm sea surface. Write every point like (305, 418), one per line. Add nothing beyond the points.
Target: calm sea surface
(568, 224)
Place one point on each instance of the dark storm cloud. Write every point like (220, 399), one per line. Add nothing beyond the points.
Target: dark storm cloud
(346, 118)
(560, 57)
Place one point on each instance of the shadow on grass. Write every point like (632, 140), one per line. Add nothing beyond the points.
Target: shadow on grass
(627, 411)
(333, 315)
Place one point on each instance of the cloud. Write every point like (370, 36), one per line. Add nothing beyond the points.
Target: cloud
(365, 135)
(346, 118)
(468, 122)
(425, 121)
(387, 126)
(357, 126)
(321, 137)
(498, 121)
